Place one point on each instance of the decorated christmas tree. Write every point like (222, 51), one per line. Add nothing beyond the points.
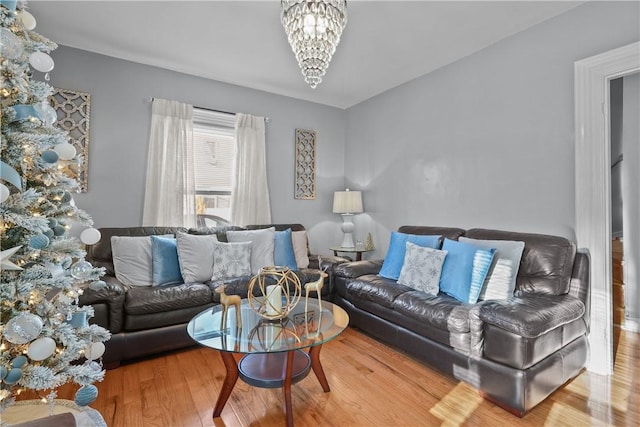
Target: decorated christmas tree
(45, 337)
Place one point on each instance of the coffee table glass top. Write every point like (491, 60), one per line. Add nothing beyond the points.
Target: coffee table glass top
(257, 335)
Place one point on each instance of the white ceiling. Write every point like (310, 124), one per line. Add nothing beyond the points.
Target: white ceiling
(384, 44)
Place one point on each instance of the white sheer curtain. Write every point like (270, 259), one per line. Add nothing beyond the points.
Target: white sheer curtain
(169, 198)
(250, 192)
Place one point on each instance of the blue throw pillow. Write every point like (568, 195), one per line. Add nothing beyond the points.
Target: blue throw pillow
(464, 270)
(166, 267)
(283, 253)
(394, 259)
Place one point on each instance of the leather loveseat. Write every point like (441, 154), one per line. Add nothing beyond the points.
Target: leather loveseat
(146, 320)
(515, 351)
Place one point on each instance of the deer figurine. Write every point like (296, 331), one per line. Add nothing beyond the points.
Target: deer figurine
(226, 301)
(315, 286)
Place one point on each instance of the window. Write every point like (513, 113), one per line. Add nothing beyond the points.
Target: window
(213, 151)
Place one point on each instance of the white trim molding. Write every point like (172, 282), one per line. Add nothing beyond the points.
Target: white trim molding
(593, 187)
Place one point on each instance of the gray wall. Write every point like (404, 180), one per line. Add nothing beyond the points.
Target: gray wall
(484, 142)
(119, 138)
(631, 196)
(487, 141)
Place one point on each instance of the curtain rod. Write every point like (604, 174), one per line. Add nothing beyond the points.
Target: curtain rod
(266, 119)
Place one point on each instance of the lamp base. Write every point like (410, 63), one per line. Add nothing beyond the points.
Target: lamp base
(347, 229)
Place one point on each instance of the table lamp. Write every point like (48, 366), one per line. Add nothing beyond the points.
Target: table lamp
(347, 203)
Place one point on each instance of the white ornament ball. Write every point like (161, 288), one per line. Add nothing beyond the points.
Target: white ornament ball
(47, 114)
(65, 150)
(11, 44)
(4, 193)
(41, 61)
(28, 20)
(41, 348)
(94, 351)
(22, 328)
(90, 236)
(81, 270)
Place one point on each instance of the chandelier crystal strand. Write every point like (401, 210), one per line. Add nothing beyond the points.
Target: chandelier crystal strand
(314, 28)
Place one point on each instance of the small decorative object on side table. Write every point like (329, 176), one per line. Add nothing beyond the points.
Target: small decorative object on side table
(355, 250)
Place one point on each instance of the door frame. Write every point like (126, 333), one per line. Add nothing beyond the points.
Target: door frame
(593, 187)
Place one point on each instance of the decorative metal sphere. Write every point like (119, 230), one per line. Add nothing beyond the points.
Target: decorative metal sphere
(278, 291)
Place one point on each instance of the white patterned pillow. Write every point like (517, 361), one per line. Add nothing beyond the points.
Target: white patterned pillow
(421, 269)
(231, 260)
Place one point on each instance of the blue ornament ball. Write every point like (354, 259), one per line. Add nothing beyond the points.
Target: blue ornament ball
(86, 395)
(39, 241)
(52, 222)
(49, 234)
(50, 156)
(3, 372)
(59, 230)
(19, 362)
(66, 197)
(13, 376)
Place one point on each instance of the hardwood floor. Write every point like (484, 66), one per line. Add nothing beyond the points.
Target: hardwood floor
(371, 385)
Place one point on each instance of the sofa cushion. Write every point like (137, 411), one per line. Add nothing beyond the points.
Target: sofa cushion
(546, 264)
(231, 260)
(464, 270)
(440, 311)
(262, 246)
(196, 256)
(164, 255)
(532, 315)
(132, 260)
(300, 248)
(422, 267)
(158, 299)
(376, 289)
(500, 282)
(283, 253)
(397, 248)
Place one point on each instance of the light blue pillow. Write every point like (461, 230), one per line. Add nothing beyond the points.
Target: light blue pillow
(283, 253)
(394, 259)
(464, 270)
(166, 267)
(481, 265)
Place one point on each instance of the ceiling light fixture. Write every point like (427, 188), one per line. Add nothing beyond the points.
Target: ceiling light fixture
(314, 28)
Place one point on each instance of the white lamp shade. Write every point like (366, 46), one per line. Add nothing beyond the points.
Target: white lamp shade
(347, 202)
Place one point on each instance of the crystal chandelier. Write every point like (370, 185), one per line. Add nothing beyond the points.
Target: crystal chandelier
(314, 28)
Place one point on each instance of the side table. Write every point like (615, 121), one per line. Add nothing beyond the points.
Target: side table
(356, 251)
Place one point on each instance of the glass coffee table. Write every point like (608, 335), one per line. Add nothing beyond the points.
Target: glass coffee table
(276, 353)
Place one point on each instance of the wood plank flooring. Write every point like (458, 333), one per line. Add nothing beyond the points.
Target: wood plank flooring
(371, 385)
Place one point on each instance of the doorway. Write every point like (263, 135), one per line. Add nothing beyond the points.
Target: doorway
(593, 187)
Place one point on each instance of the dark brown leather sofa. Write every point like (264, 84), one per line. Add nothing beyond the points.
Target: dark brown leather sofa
(145, 321)
(515, 351)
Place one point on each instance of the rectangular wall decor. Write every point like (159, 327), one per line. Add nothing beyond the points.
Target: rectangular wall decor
(74, 112)
(305, 188)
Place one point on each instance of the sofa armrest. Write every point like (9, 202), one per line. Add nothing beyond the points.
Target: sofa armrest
(325, 263)
(108, 304)
(532, 315)
(350, 270)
